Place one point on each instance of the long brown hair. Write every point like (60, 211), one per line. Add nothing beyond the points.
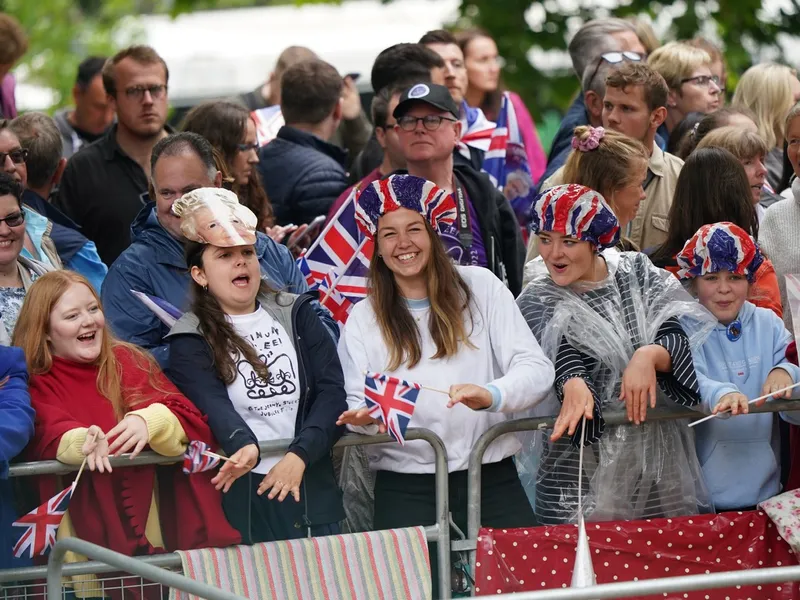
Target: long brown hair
(33, 326)
(449, 296)
(712, 187)
(218, 331)
(224, 125)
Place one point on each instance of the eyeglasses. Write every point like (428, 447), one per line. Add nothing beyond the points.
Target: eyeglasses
(614, 58)
(703, 80)
(137, 92)
(14, 220)
(247, 147)
(430, 122)
(18, 156)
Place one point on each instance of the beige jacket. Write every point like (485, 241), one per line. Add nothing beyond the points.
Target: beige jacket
(649, 227)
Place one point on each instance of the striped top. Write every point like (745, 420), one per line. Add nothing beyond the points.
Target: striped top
(633, 472)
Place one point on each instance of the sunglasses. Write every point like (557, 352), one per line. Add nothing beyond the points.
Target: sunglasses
(18, 156)
(14, 220)
(614, 58)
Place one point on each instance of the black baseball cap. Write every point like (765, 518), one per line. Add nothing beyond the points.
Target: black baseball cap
(437, 96)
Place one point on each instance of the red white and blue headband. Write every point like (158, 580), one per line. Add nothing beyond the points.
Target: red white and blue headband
(404, 191)
(578, 212)
(720, 247)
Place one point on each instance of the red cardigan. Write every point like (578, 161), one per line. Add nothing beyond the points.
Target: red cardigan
(111, 509)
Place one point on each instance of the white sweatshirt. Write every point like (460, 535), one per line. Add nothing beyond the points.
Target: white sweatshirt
(506, 355)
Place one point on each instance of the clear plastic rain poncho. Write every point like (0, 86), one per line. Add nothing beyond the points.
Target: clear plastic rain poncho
(632, 472)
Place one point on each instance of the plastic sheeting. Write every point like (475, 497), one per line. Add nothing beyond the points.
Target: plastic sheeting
(634, 472)
(541, 558)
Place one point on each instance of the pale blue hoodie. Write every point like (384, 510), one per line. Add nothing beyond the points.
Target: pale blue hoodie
(740, 455)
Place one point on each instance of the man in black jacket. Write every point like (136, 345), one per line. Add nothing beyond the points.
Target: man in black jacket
(302, 172)
(486, 232)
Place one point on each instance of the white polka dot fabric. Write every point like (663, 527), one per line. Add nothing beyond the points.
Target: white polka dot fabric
(537, 558)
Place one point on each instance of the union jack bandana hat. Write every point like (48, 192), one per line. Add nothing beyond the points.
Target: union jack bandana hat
(575, 211)
(720, 247)
(403, 191)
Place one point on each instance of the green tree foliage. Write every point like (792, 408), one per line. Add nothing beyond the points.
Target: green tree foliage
(741, 25)
(62, 32)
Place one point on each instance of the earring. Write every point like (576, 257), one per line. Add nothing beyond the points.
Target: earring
(205, 288)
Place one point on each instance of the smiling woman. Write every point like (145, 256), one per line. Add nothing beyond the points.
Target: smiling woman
(17, 272)
(428, 321)
(96, 397)
(261, 366)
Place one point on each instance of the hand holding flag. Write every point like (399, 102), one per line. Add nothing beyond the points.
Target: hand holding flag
(198, 458)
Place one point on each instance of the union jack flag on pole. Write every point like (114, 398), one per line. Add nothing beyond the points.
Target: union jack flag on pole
(392, 401)
(41, 525)
(196, 459)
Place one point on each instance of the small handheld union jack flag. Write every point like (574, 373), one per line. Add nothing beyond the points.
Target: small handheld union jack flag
(392, 401)
(41, 525)
(197, 458)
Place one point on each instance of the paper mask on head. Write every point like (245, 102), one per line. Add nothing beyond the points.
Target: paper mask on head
(214, 216)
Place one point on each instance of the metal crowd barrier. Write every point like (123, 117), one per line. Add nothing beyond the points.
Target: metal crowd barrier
(665, 585)
(127, 564)
(154, 567)
(611, 418)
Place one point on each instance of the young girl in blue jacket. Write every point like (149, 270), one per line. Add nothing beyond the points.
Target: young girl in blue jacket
(742, 359)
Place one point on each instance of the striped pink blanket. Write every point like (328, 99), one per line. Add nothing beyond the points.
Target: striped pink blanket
(391, 564)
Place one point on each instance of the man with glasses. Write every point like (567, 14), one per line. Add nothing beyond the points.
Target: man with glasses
(486, 232)
(302, 172)
(596, 38)
(105, 184)
(475, 127)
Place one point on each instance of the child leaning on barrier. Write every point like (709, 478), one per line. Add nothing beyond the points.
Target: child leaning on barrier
(743, 358)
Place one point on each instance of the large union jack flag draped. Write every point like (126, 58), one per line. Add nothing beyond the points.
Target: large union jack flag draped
(392, 401)
(41, 525)
(196, 461)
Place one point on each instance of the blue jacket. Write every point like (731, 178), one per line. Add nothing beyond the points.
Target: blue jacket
(154, 264)
(75, 250)
(740, 455)
(302, 174)
(16, 429)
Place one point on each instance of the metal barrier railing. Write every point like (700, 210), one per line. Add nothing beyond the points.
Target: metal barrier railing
(127, 564)
(664, 585)
(533, 424)
(439, 533)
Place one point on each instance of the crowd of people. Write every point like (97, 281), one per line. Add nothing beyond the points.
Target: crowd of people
(655, 274)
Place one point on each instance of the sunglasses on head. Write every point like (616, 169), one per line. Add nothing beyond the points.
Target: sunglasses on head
(615, 58)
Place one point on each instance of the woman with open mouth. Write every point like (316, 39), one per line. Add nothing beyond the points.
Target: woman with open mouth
(96, 397)
(262, 367)
(429, 322)
(616, 328)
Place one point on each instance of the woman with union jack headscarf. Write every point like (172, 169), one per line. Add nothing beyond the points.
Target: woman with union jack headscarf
(456, 328)
(616, 328)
